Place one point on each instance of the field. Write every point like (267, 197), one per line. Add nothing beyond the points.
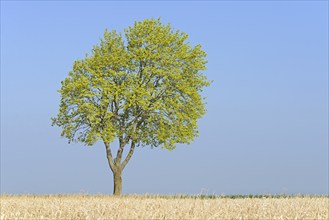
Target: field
(163, 207)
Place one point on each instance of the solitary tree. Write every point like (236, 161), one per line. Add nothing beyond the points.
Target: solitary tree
(143, 90)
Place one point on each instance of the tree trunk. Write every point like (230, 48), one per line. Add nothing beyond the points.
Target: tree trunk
(117, 178)
(116, 165)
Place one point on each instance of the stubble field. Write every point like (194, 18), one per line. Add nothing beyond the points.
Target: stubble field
(163, 207)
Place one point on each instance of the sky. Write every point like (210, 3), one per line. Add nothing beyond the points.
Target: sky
(266, 126)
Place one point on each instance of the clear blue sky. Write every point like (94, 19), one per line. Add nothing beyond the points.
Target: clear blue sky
(266, 128)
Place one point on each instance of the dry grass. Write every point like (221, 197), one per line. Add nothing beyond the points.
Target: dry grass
(162, 207)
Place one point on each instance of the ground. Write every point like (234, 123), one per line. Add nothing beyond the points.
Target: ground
(163, 207)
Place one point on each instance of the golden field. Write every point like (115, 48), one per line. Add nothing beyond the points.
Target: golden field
(162, 207)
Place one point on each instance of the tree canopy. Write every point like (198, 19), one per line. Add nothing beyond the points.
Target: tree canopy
(144, 88)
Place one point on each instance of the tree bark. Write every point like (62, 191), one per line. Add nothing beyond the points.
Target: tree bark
(117, 184)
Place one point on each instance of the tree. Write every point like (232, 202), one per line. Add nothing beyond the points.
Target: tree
(143, 90)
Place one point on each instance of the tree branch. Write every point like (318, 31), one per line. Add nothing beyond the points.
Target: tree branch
(109, 156)
(122, 144)
(131, 151)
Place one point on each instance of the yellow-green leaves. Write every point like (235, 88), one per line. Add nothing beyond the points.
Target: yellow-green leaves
(145, 88)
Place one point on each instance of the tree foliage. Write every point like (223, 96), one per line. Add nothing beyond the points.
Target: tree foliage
(144, 88)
